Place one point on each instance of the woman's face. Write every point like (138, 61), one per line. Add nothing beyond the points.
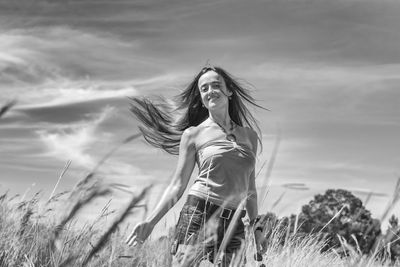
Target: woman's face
(213, 90)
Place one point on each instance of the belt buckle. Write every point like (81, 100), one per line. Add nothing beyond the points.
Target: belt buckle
(226, 217)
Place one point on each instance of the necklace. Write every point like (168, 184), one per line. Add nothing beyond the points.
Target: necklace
(228, 135)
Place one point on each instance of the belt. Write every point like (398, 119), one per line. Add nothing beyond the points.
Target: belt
(210, 208)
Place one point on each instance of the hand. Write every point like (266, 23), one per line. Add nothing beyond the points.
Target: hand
(140, 233)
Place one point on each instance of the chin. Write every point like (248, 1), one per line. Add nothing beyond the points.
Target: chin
(215, 106)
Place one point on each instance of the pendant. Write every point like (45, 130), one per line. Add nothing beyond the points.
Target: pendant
(231, 137)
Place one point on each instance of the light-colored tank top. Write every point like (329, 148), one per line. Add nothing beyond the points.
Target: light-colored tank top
(224, 172)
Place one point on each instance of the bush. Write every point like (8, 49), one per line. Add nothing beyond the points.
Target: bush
(339, 212)
(336, 213)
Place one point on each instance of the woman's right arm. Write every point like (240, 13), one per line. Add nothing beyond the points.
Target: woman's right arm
(174, 191)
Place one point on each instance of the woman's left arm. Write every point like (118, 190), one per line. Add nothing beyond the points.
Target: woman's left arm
(251, 205)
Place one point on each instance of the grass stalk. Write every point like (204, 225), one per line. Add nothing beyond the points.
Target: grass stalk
(331, 220)
(59, 179)
(392, 201)
(270, 166)
(231, 228)
(6, 107)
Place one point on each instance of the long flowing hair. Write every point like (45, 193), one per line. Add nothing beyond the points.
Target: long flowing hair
(163, 122)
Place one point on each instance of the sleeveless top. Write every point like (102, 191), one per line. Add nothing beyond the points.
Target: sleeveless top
(224, 171)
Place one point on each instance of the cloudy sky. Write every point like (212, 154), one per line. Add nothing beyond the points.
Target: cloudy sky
(329, 71)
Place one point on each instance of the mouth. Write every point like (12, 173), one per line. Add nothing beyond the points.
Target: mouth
(212, 97)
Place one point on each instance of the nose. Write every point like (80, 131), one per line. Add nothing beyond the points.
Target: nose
(212, 92)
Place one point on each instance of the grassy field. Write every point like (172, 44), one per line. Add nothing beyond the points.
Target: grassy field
(31, 235)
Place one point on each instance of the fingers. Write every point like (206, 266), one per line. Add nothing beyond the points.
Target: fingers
(137, 242)
(131, 238)
(138, 235)
(134, 241)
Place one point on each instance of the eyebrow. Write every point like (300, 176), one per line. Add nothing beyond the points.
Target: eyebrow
(213, 82)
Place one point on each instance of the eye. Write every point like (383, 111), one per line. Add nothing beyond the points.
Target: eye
(203, 89)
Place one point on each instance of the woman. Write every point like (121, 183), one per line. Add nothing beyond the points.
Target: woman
(215, 130)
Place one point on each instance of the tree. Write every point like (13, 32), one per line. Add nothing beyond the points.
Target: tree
(336, 213)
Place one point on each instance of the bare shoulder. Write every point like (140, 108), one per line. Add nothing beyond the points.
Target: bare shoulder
(189, 136)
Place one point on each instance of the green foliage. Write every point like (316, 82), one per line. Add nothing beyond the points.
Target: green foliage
(390, 241)
(335, 215)
(339, 212)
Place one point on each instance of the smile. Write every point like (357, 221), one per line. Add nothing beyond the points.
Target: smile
(212, 97)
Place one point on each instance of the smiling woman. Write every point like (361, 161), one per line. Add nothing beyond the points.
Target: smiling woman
(208, 125)
(163, 128)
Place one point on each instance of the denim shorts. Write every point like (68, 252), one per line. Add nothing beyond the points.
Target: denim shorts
(205, 227)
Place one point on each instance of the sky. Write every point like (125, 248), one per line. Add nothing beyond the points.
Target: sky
(328, 71)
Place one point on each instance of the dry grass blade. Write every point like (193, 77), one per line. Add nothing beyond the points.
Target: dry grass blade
(231, 228)
(121, 187)
(261, 168)
(357, 245)
(14, 197)
(392, 201)
(331, 220)
(278, 200)
(131, 138)
(368, 198)
(296, 222)
(104, 238)
(24, 221)
(59, 179)
(4, 109)
(343, 244)
(57, 196)
(287, 232)
(3, 259)
(4, 196)
(270, 166)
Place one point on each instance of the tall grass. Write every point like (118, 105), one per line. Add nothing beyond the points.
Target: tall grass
(28, 240)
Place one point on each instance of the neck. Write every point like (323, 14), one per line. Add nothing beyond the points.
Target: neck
(221, 118)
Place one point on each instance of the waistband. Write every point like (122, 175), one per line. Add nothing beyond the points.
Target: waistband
(203, 205)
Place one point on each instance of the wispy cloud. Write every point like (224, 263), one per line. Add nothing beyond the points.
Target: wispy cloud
(72, 93)
(40, 54)
(74, 143)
